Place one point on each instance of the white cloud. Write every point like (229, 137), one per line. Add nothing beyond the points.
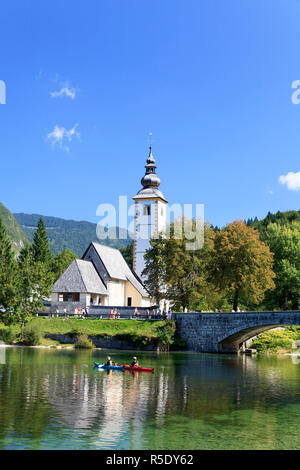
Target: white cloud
(64, 91)
(60, 135)
(292, 180)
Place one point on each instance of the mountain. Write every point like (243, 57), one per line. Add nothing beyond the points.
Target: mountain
(281, 218)
(14, 231)
(70, 234)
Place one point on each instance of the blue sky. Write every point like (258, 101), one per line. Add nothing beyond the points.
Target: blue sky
(86, 82)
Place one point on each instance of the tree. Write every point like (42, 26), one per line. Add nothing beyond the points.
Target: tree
(8, 269)
(155, 268)
(284, 242)
(40, 246)
(176, 273)
(127, 253)
(184, 267)
(61, 261)
(33, 282)
(241, 264)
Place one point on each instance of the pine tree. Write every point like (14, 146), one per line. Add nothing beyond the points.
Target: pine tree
(8, 268)
(40, 247)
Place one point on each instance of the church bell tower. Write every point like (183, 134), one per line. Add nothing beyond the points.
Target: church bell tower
(150, 214)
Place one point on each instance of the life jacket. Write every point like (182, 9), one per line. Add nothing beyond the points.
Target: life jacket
(109, 363)
(134, 364)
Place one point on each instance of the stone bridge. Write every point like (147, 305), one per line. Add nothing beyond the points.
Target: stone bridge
(227, 332)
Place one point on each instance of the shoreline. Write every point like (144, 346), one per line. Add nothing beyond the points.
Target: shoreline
(61, 347)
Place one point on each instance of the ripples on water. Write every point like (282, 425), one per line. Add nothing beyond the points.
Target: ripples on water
(53, 399)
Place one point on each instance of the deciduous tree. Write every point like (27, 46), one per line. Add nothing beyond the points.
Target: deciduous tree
(284, 242)
(61, 261)
(241, 263)
(155, 268)
(33, 286)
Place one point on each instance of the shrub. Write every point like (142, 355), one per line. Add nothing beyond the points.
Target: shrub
(179, 345)
(77, 331)
(165, 334)
(7, 335)
(274, 340)
(84, 342)
(32, 335)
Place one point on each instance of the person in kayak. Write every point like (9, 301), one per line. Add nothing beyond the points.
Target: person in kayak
(134, 363)
(109, 361)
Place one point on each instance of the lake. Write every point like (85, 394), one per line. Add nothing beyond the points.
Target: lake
(55, 399)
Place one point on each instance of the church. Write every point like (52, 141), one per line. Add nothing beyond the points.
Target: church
(102, 278)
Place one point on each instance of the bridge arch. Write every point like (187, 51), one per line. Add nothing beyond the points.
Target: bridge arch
(233, 341)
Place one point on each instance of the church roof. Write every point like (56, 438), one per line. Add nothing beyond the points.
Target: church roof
(117, 267)
(148, 193)
(80, 276)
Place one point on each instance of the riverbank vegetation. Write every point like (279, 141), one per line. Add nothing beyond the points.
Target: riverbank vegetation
(140, 332)
(279, 340)
(26, 279)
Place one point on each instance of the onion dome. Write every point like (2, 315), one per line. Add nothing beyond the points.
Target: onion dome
(150, 182)
(150, 179)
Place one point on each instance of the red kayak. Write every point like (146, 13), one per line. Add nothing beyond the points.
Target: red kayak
(138, 369)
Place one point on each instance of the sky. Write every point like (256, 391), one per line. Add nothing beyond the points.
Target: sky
(87, 82)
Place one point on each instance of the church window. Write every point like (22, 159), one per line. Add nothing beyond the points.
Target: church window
(147, 210)
(129, 301)
(68, 297)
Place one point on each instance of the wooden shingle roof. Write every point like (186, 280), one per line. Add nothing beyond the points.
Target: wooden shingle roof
(80, 276)
(117, 267)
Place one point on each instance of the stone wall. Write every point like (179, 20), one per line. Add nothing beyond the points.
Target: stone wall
(105, 342)
(226, 332)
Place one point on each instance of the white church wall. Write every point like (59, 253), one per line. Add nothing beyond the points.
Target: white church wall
(85, 299)
(54, 297)
(161, 215)
(116, 292)
(145, 302)
(139, 263)
(146, 226)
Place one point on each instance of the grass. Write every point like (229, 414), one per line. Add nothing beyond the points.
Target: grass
(53, 343)
(140, 332)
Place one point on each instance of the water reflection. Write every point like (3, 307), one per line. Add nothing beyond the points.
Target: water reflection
(55, 399)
